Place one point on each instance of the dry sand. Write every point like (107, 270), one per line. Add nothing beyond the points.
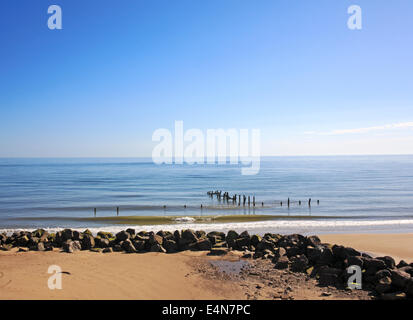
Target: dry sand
(399, 246)
(185, 275)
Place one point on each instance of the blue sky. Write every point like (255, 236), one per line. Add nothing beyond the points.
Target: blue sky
(119, 70)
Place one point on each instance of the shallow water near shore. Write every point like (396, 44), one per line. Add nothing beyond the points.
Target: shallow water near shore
(356, 193)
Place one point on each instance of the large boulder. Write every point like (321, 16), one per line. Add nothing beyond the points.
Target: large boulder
(282, 263)
(204, 245)
(189, 235)
(157, 248)
(67, 234)
(88, 242)
(71, 246)
(341, 253)
(399, 278)
(170, 246)
(409, 287)
(155, 239)
(299, 263)
(128, 246)
(313, 241)
(122, 236)
(388, 261)
(384, 285)
(326, 258)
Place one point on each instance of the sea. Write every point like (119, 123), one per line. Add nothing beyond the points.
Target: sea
(349, 194)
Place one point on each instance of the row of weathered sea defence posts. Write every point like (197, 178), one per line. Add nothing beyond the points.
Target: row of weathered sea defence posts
(225, 196)
(325, 262)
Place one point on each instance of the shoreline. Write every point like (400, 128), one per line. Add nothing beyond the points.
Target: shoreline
(189, 274)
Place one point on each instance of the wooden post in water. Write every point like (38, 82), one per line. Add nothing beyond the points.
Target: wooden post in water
(281, 203)
(94, 211)
(249, 201)
(318, 201)
(262, 204)
(299, 202)
(117, 211)
(288, 202)
(309, 202)
(253, 201)
(244, 198)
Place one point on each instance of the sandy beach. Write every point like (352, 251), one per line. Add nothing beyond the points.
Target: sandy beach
(184, 275)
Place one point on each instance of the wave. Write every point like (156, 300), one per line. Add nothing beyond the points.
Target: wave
(259, 227)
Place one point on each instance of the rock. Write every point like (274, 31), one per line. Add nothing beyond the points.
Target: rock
(326, 257)
(77, 235)
(409, 287)
(88, 242)
(102, 242)
(232, 235)
(216, 234)
(6, 247)
(105, 235)
(265, 244)
(131, 232)
(128, 246)
(218, 251)
(39, 233)
(299, 263)
(354, 261)
(381, 274)
(122, 236)
(255, 240)
(399, 278)
(67, 234)
(383, 285)
(117, 248)
(107, 250)
(408, 269)
(170, 246)
(389, 262)
(155, 239)
(204, 245)
(373, 265)
(402, 264)
(314, 253)
(157, 248)
(190, 236)
(221, 244)
(313, 241)
(294, 251)
(22, 241)
(282, 263)
(341, 253)
(200, 234)
(97, 250)
(40, 247)
(71, 246)
(393, 296)
(87, 231)
(241, 242)
(247, 255)
(139, 245)
(245, 234)
(23, 250)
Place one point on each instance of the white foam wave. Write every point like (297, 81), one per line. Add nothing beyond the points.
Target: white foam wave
(261, 227)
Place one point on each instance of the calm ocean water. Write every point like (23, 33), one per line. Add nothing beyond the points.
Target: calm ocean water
(356, 193)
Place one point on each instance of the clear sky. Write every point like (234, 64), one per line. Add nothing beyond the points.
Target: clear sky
(119, 70)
